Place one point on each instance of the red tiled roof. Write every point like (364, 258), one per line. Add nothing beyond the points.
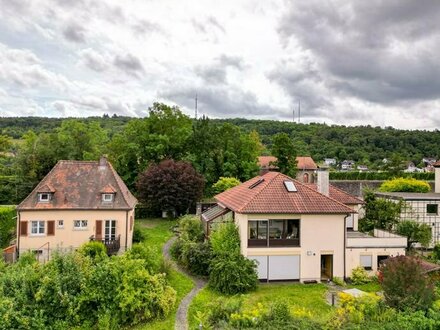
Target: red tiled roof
(303, 163)
(265, 161)
(306, 163)
(46, 188)
(108, 189)
(78, 185)
(338, 194)
(436, 164)
(271, 196)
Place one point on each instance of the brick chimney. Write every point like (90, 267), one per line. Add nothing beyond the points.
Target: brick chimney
(437, 177)
(322, 181)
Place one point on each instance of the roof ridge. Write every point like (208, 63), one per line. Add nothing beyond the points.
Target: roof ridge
(39, 184)
(258, 193)
(334, 200)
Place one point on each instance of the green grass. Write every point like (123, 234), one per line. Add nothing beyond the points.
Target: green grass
(158, 232)
(300, 297)
(368, 287)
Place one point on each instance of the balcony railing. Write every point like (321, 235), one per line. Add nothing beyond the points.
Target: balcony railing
(291, 242)
(112, 245)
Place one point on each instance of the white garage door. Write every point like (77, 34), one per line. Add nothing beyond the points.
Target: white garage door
(283, 267)
(277, 267)
(262, 266)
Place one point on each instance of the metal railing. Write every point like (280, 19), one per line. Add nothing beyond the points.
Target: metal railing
(112, 245)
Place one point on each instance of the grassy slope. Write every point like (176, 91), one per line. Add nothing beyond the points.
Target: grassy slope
(298, 296)
(158, 232)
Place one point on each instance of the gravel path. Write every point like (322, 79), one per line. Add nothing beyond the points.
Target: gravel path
(182, 310)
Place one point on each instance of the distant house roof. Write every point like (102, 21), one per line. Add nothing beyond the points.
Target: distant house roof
(408, 196)
(436, 164)
(303, 163)
(269, 194)
(339, 195)
(79, 185)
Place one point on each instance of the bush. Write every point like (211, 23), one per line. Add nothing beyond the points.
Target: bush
(225, 183)
(191, 229)
(94, 250)
(150, 257)
(225, 239)
(232, 274)
(7, 225)
(405, 285)
(198, 258)
(359, 276)
(139, 235)
(279, 312)
(436, 252)
(338, 281)
(405, 185)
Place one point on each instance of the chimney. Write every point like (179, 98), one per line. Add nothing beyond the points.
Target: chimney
(437, 177)
(103, 161)
(323, 181)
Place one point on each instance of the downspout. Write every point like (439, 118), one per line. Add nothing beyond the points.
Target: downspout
(126, 230)
(18, 234)
(345, 244)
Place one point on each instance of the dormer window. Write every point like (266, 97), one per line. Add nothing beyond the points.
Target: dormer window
(107, 198)
(44, 197)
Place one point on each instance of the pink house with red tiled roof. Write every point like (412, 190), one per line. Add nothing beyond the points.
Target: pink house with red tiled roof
(77, 202)
(297, 231)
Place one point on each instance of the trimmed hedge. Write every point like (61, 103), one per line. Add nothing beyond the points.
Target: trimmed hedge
(428, 176)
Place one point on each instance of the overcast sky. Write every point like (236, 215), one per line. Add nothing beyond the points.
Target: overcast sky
(368, 62)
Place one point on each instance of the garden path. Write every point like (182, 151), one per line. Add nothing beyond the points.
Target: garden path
(182, 311)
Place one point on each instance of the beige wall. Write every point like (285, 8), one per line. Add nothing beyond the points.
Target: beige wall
(68, 238)
(353, 256)
(319, 234)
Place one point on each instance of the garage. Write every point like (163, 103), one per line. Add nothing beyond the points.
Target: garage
(277, 268)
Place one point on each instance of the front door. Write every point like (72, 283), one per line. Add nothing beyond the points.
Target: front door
(326, 267)
(110, 230)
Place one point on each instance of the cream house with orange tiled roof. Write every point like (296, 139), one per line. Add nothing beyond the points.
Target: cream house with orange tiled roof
(77, 201)
(299, 232)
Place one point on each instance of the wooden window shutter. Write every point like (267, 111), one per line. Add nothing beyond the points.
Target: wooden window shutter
(51, 228)
(23, 228)
(98, 229)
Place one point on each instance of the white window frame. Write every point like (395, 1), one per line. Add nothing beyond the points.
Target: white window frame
(60, 224)
(44, 200)
(40, 228)
(107, 198)
(364, 262)
(80, 225)
(108, 226)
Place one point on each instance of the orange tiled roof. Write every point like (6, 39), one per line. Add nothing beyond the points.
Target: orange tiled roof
(271, 196)
(78, 185)
(339, 195)
(303, 163)
(436, 164)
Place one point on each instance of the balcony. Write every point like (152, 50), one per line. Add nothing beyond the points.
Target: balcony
(112, 245)
(379, 239)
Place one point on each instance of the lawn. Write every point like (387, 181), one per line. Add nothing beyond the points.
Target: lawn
(157, 233)
(373, 286)
(302, 298)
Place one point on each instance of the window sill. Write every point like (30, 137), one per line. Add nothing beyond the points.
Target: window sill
(80, 229)
(37, 235)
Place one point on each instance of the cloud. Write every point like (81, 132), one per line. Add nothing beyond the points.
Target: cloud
(75, 32)
(93, 60)
(129, 64)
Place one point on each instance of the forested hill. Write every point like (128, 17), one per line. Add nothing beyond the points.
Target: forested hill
(361, 143)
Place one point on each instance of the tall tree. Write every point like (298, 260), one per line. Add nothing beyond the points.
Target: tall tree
(415, 232)
(170, 186)
(284, 149)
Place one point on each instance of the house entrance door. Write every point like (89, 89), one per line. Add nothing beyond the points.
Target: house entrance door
(326, 267)
(110, 230)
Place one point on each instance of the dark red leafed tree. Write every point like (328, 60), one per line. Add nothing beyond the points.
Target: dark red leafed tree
(170, 186)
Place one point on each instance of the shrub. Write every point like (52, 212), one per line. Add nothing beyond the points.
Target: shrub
(225, 183)
(225, 239)
(436, 252)
(405, 285)
(338, 281)
(94, 250)
(405, 185)
(199, 257)
(415, 232)
(139, 235)
(7, 225)
(279, 312)
(191, 229)
(232, 274)
(359, 276)
(150, 257)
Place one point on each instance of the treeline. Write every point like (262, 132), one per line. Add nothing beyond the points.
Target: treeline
(214, 150)
(364, 144)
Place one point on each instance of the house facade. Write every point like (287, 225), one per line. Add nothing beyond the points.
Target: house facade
(77, 202)
(420, 207)
(298, 231)
(306, 167)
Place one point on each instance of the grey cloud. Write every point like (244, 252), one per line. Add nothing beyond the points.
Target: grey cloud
(378, 51)
(75, 32)
(130, 64)
(145, 27)
(93, 60)
(216, 72)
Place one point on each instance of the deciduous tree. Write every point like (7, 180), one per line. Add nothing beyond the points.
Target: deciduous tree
(284, 150)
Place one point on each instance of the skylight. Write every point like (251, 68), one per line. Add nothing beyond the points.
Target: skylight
(290, 186)
(256, 183)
